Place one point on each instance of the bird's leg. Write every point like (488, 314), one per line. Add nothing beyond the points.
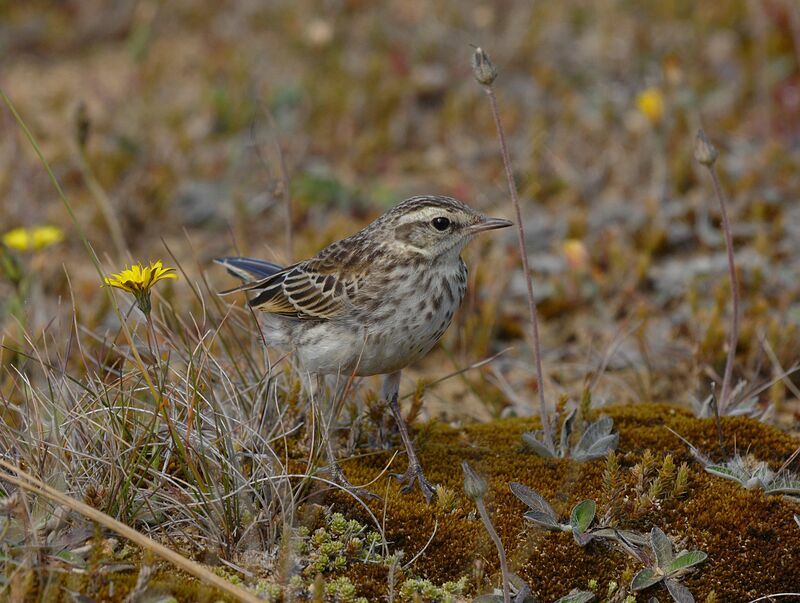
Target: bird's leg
(391, 387)
(337, 475)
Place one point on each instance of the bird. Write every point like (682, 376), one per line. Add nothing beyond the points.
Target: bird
(372, 303)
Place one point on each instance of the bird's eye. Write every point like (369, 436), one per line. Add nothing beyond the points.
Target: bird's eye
(440, 223)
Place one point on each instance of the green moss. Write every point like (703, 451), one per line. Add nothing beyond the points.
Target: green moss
(752, 542)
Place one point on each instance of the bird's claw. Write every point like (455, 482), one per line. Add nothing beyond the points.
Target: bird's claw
(415, 474)
(338, 477)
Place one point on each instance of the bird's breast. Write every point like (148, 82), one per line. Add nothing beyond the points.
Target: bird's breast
(396, 319)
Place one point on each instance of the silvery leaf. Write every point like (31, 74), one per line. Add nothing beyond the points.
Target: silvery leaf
(543, 520)
(581, 596)
(684, 561)
(594, 432)
(763, 472)
(725, 472)
(582, 538)
(680, 594)
(536, 445)
(662, 547)
(645, 578)
(599, 449)
(628, 536)
(533, 499)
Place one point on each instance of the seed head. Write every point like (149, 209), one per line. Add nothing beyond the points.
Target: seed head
(82, 124)
(483, 68)
(475, 486)
(705, 152)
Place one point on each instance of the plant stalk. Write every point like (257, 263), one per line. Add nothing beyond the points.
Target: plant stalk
(733, 336)
(501, 551)
(534, 320)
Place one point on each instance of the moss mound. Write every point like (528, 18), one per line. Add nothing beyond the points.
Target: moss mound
(752, 541)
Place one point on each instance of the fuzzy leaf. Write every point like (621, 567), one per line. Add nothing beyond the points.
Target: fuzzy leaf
(598, 450)
(533, 499)
(615, 534)
(582, 538)
(543, 520)
(725, 472)
(582, 516)
(662, 547)
(680, 594)
(524, 594)
(581, 596)
(566, 432)
(594, 433)
(645, 578)
(684, 561)
(781, 486)
(531, 440)
(488, 599)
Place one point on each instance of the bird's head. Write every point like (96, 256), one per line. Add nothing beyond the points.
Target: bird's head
(434, 226)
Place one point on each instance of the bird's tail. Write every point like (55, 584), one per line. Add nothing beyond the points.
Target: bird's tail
(250, 270)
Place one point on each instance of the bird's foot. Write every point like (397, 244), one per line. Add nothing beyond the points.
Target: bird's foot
(338, 477)
(414, 474)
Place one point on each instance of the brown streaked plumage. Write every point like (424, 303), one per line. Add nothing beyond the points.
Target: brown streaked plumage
(374, 302)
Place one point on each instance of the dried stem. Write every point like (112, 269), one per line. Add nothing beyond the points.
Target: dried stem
(103, 204)
(501, 551)
(486, 82)
(733, 336)
(284, 180)
(718, 421)
(31, 484)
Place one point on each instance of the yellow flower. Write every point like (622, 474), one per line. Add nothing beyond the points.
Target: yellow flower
(138, 280)
(576, 254)
(650, 103)
(44, 236)
(38, 237)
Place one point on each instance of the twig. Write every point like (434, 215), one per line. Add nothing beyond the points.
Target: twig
(485, 73)
(706, 154)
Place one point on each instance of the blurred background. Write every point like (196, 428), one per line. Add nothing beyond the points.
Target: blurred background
(170, 126)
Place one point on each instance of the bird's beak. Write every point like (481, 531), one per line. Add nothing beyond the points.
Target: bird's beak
(489, 224)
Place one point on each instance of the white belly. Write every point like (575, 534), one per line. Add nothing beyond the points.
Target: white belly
(403, 328)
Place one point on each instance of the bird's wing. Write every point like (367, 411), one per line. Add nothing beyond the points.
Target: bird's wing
(310, 290)
(321, 288)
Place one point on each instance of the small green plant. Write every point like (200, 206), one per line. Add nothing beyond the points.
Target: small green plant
(748, 472)
(595, 442)
(416, 589)
(756, 475)
(581, 518)
(667, 567)
(522, 594)
(333, 547)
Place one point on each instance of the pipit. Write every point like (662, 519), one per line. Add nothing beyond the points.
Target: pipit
(373, 303)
